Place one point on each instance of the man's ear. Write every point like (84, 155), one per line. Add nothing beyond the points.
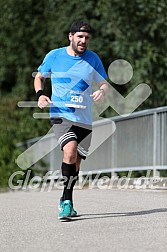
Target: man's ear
(70, 36)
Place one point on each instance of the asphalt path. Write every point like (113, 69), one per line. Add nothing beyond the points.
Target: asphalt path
(109, 220)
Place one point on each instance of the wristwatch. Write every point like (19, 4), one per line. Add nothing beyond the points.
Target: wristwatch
(102, 90)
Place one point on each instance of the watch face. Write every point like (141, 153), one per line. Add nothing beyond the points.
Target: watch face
(102, 90)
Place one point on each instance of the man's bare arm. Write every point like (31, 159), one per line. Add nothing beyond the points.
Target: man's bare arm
(99, 94)
(43, 100)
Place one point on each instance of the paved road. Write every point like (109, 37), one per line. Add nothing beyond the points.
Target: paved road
(110, 220)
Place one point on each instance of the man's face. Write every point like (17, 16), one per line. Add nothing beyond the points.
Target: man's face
(79, 41)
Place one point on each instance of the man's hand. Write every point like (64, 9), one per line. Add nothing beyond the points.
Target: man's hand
(98, 95)
(43, 101)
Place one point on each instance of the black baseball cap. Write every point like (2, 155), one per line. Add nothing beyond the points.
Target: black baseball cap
(80, 26)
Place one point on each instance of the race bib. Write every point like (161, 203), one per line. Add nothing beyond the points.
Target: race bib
(75, 99)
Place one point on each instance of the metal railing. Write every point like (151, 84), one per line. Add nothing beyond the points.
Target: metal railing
(138, 143)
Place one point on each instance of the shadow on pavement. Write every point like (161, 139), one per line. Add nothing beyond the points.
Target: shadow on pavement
(116, 215)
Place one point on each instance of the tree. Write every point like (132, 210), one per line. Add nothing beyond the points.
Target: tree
(131, 30)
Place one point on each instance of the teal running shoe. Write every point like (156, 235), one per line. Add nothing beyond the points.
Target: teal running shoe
(73, 211)
(65, 212)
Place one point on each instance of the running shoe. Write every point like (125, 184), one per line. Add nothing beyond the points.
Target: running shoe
(73, 211)
(65, 212)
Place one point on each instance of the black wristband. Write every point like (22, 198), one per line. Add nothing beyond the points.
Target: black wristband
(39, 93)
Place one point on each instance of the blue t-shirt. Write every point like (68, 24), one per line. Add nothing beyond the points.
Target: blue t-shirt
(72, 78)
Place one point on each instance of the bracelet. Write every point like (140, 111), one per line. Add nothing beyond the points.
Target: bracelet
(39, 93)
(102, 90)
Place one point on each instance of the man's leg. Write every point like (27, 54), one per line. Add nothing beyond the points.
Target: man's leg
(78, 163)
(70, 175)
(69, 170)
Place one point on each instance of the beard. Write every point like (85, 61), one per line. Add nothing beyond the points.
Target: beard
(79, 49)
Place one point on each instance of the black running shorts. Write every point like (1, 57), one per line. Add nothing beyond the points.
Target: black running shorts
(66, 131)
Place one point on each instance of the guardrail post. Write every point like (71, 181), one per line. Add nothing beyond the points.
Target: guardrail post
(154, 143)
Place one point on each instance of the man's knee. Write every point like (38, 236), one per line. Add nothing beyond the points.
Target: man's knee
(70, 152)
(70, 157)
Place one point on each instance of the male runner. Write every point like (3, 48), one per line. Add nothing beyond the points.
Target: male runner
(73, 69)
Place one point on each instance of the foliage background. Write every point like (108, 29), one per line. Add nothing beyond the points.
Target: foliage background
(132, 30)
